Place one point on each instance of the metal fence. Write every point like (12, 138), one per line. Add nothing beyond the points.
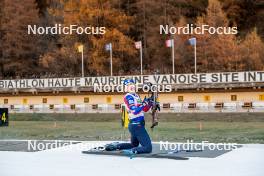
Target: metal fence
(116, 108)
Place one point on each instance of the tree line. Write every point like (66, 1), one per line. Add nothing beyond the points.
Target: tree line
(128, 21)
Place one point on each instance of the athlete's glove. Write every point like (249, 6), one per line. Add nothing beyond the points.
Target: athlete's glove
(151, 102)
(146, 101)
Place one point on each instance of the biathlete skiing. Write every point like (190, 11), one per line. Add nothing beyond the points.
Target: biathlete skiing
(140, 140)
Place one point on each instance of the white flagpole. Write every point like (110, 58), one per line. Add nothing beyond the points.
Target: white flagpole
(172, 55)
(82, 65)
(141, 71)
(111, 60)
(195, 67)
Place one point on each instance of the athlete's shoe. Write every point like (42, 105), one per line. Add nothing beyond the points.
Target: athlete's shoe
(111, 147)
(129, 153)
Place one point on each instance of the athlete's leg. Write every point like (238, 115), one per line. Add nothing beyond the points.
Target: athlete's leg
(144, 140)
(133, 140)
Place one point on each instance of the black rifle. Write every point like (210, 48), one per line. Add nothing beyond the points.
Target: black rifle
(155, 104)
(154, 109)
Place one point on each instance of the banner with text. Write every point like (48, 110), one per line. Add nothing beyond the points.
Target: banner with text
(177, 79)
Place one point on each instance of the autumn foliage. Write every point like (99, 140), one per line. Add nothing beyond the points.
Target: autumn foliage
(25, 56)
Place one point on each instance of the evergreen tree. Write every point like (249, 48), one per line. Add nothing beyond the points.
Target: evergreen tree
(252, 51)
(246, 14)
(94, 13)
(19, 49)
(1, 37)
(215, 52)
(150, 14)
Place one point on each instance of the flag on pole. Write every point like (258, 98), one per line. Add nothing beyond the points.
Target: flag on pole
(169, 43)
(192, 41)
(138, 45)
(108, 47)
(80, 48)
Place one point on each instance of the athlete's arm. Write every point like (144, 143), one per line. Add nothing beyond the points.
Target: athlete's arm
(146, 108)
(146, 105)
